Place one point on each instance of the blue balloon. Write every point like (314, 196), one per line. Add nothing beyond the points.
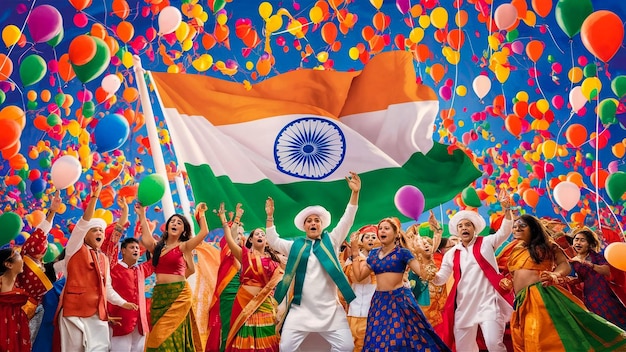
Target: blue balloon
(111, 132)
(38, 186)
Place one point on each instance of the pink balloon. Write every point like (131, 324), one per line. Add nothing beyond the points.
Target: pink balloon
(557, 102)
(44, 23)
(576, 98)
(566, 195)
(505, 16)
(409, 200)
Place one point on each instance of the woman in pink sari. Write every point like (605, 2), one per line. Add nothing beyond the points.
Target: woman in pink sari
(253, 319)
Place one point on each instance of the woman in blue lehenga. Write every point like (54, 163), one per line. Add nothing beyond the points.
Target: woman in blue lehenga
(395, 322)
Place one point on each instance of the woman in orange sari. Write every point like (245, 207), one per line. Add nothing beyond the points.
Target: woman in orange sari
(253, 319)
(546, 316)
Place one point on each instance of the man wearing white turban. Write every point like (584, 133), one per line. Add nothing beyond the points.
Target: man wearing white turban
(83, 319)
(313, 264)
(477, 298)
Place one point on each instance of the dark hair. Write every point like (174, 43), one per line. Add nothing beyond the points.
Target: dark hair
(591, 238)
(539, 245)
(183, 237)
(6, 255)
(272, 253)
(443, 244)
(129, 240)
(49, 267)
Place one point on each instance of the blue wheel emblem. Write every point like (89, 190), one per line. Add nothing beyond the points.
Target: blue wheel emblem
(310, 148)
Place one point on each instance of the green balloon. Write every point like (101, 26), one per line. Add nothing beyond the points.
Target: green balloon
(618, 85)
(57, 39)
(59, 99)
(607, 111)
(32, 69)
(151, 189)
(512, 35)
(590, 70)
(51, 253)
(10, 226)
(53, 120)
(470, 197)
(616, 185)
(96, 65)
(3, 97)
(31, 105)
(570, 15)
(89, 109)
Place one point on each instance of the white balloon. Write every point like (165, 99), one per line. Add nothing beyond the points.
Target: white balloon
(576, 98)
(169, 20)
(65, 171)
(481, 85)
(505, 16)
(566, 195)
(111, 83)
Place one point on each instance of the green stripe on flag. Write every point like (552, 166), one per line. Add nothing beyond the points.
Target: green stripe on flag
(439, 175)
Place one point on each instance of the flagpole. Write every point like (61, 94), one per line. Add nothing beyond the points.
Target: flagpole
(157, 154)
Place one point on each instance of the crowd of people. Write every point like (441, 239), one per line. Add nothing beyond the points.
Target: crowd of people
(385, 290)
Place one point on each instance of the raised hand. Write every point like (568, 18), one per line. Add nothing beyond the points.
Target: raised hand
(505, 199)
(140, 210)
(121, 202)
(433, 223)
(55, 202)
(201, 208)
(269, 207)
(354, 181)
(221, 212)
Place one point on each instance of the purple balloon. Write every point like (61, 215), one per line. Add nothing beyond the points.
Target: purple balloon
(403, 6)
(410, 201)
(44, 23)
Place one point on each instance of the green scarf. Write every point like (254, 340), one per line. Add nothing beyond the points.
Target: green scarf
(296, 267)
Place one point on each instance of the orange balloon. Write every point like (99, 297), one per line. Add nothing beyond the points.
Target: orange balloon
(10, 133)
(17, 162)
(367, 32)
(128, 192)
(578, 218)
(456, 39)
(602, 175)
(9, 152)
(14, 113)
(125, 31)
(575, 178)
(208, 41)
(602, 33)
(381, 21)
(521, 109)
(531, 197)
(521, 7)
(437, 71)
(98, 31)
(534, 49)
(615, 254)
(576, 135)
(41, 123)
(130, 94)
(66, 71)
(107, 196)
(121, 8)
(112, 44)
(542, 7)
(329, 32)
(513, 124)
(82, 49)
(80, 5)
(6, 67)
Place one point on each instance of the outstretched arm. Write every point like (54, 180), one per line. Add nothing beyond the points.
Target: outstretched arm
(232, 243)
(146, 235)
(80, 230)
(55, 204)
(204, 229)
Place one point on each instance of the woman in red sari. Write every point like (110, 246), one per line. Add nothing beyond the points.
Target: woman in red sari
(14, 334)
(253, 319)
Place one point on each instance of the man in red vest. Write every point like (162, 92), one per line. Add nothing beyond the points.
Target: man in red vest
(476, 299)
(129, 327)
(83, 319)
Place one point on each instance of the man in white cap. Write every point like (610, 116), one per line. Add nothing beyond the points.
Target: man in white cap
(477, 298)
(313, 263)
(83, 319)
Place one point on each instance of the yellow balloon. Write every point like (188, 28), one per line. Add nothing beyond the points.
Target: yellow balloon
(549, 149)
(416, 35)
(275, 22)
(453, 57)
(439, 17)
(127, 59)
(591, 87)
(182, 31)
(522, 96)
(490, 189)
(249, 65)
(265, 10)
(424, 21)
(322, 56)
(173, 69)
(377, 3)
(353, 53)
(316, 14)
(31, 95)
(10, 35)
(461, 91)
(543, 105)
(530, 19)
(494, 42)
(540, 125)
(73, 128)
(575, 74)
(502, 73)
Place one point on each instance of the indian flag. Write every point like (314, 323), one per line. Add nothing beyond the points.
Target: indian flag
(295, 137)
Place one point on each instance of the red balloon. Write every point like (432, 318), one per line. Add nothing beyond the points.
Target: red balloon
(82, 49)
(10, 132)
(602, 33)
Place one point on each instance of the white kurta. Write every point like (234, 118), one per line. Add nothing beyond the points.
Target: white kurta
(477, 300)
(319, 309)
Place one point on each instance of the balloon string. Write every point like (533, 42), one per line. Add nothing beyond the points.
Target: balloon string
(545, 164)
(553, 40)
(504, 96)
(537, 81)
(597, 166)
(571, 50)
(21, 32)
(598, 196)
